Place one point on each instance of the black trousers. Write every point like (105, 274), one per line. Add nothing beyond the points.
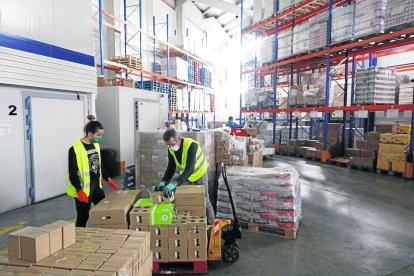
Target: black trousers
(82, 208)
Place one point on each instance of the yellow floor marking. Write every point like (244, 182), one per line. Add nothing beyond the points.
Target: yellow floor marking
(3, 252)
(11, 228)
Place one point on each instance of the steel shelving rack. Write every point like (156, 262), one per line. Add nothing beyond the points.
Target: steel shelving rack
(159, 46)
(348, 53)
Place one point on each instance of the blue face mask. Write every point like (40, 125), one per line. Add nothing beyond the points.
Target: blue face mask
(175, 148)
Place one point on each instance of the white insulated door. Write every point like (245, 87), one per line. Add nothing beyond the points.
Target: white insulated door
(56, 124)
(148, 115)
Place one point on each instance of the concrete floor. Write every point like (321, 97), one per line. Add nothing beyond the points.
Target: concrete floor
(354, 223)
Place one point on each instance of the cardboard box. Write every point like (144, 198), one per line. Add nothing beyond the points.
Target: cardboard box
(403, 129)
(175, 255)
(14, 251)
(139, 216)
(68, 232)
(158, 242)
(101, 81)
(198, 240)
(178, 228)
(256, 159)
(383, 164)
(197, 254)
(398, 166)
(193, 195)
(401, 139)
(397, 149)
(34, 245)
(193, 210)
(196, 224)
(385, 128)
(160, 255)
(143, 228)
(56, 237)
(159, 231)
(177, 242)
(76, 272)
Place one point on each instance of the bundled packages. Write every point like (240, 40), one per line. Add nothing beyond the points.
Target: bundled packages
(267, 50)
(301, 38)
(317, 31)
(178, 68)
(269, 197)
(285, 44)
(369, 17)
(229, 150)
(375, 85)
(257, 98)
(398, 12)
(406, 93)
(342, 23)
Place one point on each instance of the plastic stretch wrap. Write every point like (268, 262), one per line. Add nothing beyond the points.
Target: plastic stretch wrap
(266, 196)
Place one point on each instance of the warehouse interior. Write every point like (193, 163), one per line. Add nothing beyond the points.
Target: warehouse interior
(228, 137)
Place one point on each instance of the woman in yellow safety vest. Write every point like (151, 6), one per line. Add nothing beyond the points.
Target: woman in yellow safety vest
(85, 171)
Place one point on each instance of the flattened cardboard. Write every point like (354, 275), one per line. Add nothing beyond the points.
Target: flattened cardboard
(56, 237)
(34, 245)
(199, 210)
(187, 195)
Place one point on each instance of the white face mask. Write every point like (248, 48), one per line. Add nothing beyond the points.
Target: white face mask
(175, 148)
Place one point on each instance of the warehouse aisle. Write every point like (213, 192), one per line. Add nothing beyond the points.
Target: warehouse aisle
(358, 227)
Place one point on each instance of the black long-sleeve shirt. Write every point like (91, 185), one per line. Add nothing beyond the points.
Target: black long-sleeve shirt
(95, 170)
(189, 168)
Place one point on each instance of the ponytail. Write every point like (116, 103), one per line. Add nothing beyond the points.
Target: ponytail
(92, 126)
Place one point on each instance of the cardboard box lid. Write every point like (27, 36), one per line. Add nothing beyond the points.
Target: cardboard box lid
(120, 194)
(190, 195)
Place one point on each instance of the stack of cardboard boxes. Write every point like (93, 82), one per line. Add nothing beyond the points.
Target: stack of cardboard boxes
(178, 234)
(113, 211)
(375, 85)
(92, 251)
(364, 155)
(392, 154)
(229, 150)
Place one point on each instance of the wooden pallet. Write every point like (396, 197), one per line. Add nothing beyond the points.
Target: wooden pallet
(183, 267)
(361, 168)
(129, 61)
(290, 234)
(339, 161)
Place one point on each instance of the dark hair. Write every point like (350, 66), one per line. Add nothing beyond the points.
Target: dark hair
(231, 118)
(92, 126)
(171, 133)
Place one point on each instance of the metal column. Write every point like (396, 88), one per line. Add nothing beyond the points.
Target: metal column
(345, 101)
(328, 79)
(241, 60)
(154, 66)
(101, 52)
(351, 115)
(125, 34)
(275, 58)
(140, 39)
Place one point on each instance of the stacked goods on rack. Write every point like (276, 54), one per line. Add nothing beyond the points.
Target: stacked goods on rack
(130, 61)
(257, 98)
(342, 23)
(301, 38)
(399, 13)
(285, 44)
(296, 95)
(314, 96)
(197, 67)
(180, 41)
(91, 251)
(178, 68)
(102, 81)
(285, 4)
(258, 11)
(269, 9)
(364, 155)
(173, 98)
(337, 96)
(375, 85)
(406, 93)
(369, 17)
(178, 230)
(191, 71)
(113, 212)
(205, 76)
(334, 139)
(269, 197)
(317, 31)
(156, 86)
(267, 50)
(212, 103)
(229, 150)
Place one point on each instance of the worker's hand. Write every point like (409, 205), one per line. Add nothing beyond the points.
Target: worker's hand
(169, 189)
(112, 185)
(82, 197)
(160, 186)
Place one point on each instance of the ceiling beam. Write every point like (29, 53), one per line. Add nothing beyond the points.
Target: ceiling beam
(224, 6)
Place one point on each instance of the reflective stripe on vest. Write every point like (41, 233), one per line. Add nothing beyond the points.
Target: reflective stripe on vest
(83, 169)
(201, 164)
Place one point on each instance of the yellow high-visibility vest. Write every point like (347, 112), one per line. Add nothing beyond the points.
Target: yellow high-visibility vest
(83, 169)
(201, 164)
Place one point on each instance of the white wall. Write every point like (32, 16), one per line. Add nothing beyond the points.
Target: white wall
(12, 162)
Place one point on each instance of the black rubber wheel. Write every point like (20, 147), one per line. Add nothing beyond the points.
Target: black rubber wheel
(231, 253)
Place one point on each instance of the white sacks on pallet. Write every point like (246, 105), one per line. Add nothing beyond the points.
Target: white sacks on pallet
(375, 86)
(284, 44)
(267, 50)
(266, 196)
(342, 23)
(178, 68)
(399, 12)
(258, 6)
(369, 17)
(269, 9)
(301, 38)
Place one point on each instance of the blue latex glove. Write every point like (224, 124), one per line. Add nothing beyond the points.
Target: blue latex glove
(160, 186)
(168, 190)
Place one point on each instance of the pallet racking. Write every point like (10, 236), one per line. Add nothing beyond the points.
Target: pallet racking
(348, 53)
(160, 47)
